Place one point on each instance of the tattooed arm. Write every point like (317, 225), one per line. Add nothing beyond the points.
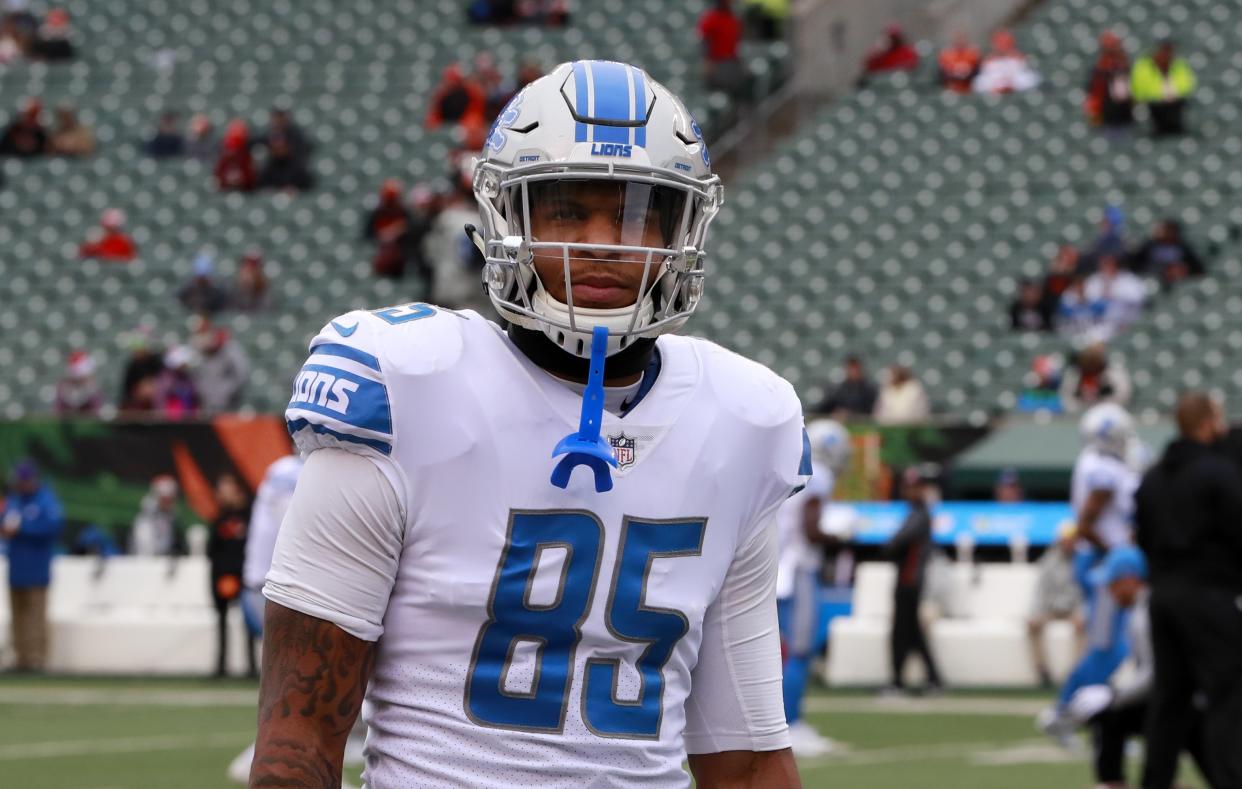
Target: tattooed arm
(314, 677)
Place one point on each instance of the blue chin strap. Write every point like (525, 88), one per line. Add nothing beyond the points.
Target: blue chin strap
(586, 448)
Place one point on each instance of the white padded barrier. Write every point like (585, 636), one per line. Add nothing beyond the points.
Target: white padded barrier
(985, 645)
(133, 615)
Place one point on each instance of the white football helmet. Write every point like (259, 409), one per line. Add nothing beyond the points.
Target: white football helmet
(830, 444)
(588, 122)
(1108, 428)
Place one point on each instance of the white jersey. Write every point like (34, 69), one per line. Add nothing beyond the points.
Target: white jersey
(797, 552)
(529, 635)
(1095, 470)
(270, 503)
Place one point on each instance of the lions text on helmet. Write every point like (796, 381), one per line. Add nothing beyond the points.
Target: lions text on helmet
(595, 195)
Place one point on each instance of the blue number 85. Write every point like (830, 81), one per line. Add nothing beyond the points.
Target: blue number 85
(556, 628)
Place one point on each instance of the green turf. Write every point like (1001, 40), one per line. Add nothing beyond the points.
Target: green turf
(117, 734)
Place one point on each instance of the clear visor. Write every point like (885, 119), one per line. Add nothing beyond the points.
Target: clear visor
(600, 213)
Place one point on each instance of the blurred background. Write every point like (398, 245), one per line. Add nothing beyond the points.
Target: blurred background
(954, 226)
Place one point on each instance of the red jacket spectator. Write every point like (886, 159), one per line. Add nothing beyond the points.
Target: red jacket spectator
(109, 241)
(235, 167)
(958, 65)
(456, 100)
(895, 54)
(721, 31)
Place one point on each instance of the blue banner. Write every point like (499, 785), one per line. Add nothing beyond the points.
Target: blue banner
(988, 522)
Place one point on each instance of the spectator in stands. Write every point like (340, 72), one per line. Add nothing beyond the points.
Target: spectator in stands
(226, 552)
(78, 393)
(201, 294)
(1093, 377)
(1167, 256)
(1163, 82)
(398, 231)
(1005, 69)
(1077, 317)
(1110, 241)
(902, 399)
(496, 91)
(25, 136)
(155, 530)
(13, 43)
(721, 32)
(168, 142)
(18, 12)
(959, 63)
(527, 73)
(234, 169)
(1008, 487)
(766, 18)
(282, 129)
(250, 289)
(1061, 274)
(1119, 293)
(456, 100)
(1057, 597)
(222, 369)
(1030, 310)
(139, 387)
(1041, 386)
(910, 548)
(110, 241)
(53, 42)
(283, 169)
(200, 143)
(71, 137)
(894, 53)
(177, 398)
(1109, 102)
(31, 523)
(854, 397)
(492, 12)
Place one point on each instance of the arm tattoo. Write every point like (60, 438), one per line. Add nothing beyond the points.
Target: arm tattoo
(314, 678)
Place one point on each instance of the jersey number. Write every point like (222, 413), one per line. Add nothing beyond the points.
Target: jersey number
(553, 629)
(406, 313)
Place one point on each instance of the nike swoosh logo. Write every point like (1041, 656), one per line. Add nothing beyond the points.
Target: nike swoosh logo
(344, 331)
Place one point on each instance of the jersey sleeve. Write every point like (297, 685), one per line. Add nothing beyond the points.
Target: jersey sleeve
(735, 701)
(1104, 474)
(337, 552)
(341, 398)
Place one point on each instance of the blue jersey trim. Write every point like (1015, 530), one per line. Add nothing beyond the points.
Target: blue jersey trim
(804, 467)
(649, 378)
(348, 352)
(295, 425)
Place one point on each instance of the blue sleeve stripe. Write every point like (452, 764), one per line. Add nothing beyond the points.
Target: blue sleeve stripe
(348, 352)
(804, 467)
(295, 425)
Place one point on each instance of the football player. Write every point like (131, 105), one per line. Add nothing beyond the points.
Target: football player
(494, 628)
(803, 541)
(1102, 490)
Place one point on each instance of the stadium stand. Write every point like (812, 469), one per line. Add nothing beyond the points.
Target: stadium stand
(897, 223)
(357, 79)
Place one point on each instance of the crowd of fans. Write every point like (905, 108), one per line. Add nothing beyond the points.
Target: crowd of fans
(900, 400)
(24, 37)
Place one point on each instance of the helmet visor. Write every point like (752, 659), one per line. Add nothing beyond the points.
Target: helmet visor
(602, 213)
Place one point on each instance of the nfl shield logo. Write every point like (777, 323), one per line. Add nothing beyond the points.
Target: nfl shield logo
(623, 448)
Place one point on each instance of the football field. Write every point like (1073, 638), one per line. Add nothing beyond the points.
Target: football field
(131, 734)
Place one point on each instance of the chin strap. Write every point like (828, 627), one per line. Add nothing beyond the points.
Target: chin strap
(586, 447)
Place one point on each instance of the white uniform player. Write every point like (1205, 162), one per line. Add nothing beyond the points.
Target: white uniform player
(530, 634)
(803, 539)
(1104, 479)
(271, 502)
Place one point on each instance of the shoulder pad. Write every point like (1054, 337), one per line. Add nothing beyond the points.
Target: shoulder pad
(747, 389)
(340, 396)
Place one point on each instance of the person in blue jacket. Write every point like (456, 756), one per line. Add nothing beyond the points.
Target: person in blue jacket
(30, 525)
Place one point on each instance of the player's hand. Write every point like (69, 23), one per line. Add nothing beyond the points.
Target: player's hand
(1088, 702)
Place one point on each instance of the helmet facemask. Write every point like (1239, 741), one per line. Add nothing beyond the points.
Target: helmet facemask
(618, 230)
